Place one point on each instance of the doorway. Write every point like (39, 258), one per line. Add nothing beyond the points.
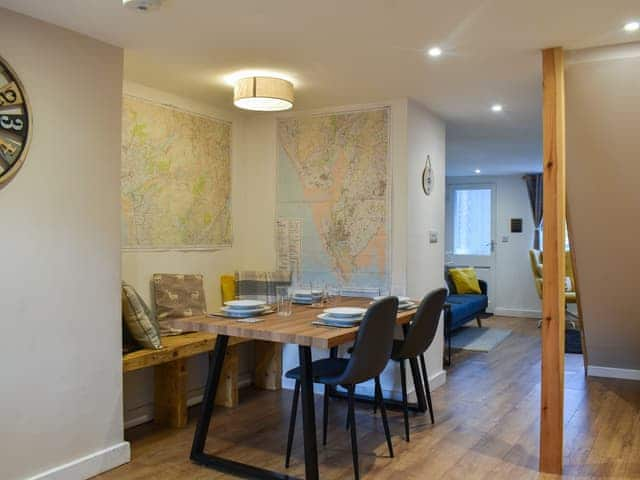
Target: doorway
(471, 227)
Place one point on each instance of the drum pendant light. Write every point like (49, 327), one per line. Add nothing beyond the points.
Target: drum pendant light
(263, 94)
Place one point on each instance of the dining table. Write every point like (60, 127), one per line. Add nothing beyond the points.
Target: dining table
(297, 329)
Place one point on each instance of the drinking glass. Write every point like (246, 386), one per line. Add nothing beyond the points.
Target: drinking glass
(284, 297)
(319, 300)
(333, 295)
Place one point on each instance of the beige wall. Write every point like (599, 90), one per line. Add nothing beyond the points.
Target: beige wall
(60, 348)
(603, 176)
(139, 266)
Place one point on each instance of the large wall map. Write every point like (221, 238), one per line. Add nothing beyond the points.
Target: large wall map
(333, 176)
(175, 178)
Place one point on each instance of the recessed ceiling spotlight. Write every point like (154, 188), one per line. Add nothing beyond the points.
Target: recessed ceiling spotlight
(477, 171)
(142, 5)
(435, 52)
(632, 26)
(496, 108)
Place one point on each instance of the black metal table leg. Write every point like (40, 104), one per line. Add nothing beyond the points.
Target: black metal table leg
(213, 378)
(202, 428)
(308, 415)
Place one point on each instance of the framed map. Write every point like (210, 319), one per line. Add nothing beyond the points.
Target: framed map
(175, 178)
(334, 176)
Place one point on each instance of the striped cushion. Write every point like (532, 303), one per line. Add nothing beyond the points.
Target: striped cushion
(139, 320)
(260, 285)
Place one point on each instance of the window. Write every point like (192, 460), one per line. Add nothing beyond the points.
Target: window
(472, 221)
(567, 244)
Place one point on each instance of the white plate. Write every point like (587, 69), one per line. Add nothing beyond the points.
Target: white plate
(345, 312)
(244, 311)
(245, 304)
(307, 293)
(400, 299)
(407, 306)
(326, 317)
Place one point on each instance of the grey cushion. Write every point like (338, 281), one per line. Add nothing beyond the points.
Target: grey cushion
(139, 320)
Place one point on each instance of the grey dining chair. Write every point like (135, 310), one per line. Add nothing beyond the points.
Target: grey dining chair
(418, 339)
(371, 353)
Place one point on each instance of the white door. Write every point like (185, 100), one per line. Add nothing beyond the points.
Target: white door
(471, 214)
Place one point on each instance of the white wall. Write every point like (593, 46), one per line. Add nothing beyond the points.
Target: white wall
(515, 293)
(60, 348)
(257, 236)
(425, 261)
(254, 211)
(139, 266)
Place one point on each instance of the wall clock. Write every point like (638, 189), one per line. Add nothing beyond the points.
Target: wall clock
(14, 123)
(427, 177)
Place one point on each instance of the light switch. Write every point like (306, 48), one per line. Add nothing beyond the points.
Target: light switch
(433, 236)
(505, 239)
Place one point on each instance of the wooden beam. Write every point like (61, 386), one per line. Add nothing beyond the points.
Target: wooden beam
(170, 402)
(553, 305)
(268, 365)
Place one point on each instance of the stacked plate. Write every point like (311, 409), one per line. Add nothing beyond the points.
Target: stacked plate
(342, 316)
(244, 308)
(404, 303)
(307, 297)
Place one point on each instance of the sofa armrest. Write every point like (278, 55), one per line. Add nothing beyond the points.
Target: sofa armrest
(483, 286)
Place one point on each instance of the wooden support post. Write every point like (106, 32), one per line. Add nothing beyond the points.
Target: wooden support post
(227, 395)
(553, 305)
(268, 365)
(171, 394)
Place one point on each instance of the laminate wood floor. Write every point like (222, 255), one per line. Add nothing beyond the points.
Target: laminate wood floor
(486, 427)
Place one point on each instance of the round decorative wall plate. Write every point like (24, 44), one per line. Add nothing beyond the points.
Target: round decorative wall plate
(427, 177)
(14, 123)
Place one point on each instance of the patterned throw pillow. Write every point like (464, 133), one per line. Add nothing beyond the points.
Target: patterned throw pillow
(139, 320)
(177, 296)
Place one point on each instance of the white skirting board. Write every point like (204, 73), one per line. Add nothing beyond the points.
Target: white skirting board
(435, 381)
(608, 372)
(90, 465)
(517, 312)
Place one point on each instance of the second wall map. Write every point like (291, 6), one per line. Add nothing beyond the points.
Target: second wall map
(334, 186)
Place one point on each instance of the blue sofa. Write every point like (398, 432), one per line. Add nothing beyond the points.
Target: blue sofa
(461, 309)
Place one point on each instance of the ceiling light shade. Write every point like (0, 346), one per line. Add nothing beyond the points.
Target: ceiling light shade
(263, 94)
(632, 27)
(435, 52)
(496, 108)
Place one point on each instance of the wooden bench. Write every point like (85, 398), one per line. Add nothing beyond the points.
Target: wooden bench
(170, 363)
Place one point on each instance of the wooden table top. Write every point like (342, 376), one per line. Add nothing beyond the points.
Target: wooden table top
(296, 329)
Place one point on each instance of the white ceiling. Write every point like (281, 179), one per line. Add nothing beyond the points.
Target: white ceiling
(357, 51)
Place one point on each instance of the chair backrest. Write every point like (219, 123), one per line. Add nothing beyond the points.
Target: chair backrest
(374, 343)
(423, 329)
(535, 259)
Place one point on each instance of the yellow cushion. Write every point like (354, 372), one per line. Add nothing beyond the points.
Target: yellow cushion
(465, 280)
(228, 288)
